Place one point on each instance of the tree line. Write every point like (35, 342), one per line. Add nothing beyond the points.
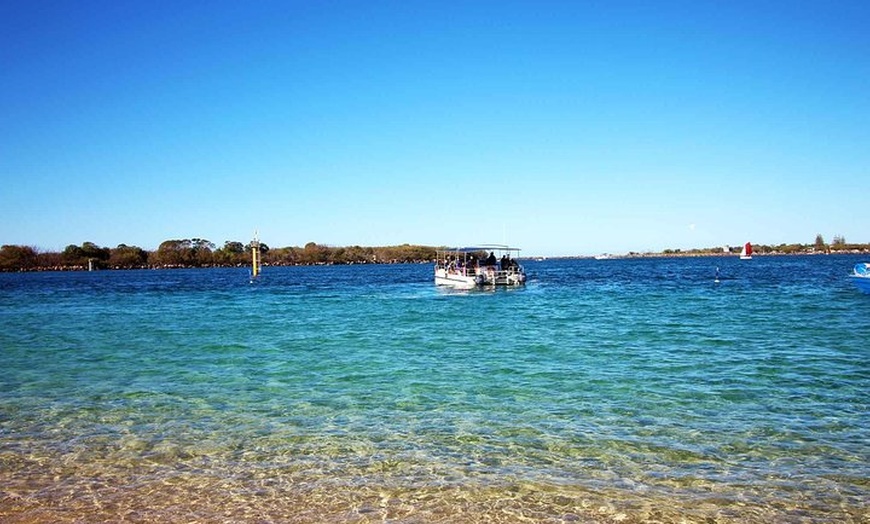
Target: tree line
(198, 252)
(838, 245)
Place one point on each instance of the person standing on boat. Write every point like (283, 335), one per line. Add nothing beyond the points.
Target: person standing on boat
(491, 261)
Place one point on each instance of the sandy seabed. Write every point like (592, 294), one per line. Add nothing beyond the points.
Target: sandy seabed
(48, 493)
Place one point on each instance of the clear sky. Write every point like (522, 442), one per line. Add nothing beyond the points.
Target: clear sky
(565, 128)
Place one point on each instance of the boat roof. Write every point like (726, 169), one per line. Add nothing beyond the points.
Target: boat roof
(481, 247)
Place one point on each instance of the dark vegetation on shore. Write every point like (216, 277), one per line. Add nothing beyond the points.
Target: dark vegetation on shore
(838, 246)
(197, 252)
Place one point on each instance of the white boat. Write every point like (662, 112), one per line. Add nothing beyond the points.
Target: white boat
(861, 276)
(479, 266)
(746, 253)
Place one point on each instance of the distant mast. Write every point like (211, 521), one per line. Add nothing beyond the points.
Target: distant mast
(255, 256)
(746, 254)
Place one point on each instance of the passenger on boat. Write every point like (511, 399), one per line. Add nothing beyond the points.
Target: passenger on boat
(507, 263)
(491, 261)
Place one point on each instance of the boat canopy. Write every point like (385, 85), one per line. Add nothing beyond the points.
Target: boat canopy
(481, 247)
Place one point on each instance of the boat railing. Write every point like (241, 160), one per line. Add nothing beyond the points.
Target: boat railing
(453, 268)
(496, 275)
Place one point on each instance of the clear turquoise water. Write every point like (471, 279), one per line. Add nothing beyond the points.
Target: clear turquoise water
(604, 391)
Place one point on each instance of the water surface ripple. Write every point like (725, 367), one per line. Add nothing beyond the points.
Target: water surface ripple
(604, 391)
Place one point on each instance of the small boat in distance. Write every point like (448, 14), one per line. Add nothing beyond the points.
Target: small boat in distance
(861, 276)
(746, 254)
(478, 266)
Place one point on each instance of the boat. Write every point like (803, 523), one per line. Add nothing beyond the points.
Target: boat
(486, 265)
(861, 276)
(746, 254)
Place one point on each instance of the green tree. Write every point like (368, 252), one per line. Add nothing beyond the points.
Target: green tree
(314, 254)
(195, 252)
(200, 252)
(49, 260)
(73, 256)
(17, 258)
(93, 251)
(820, 243)
(128, 257)
(235, 248)
(231, 254)
(81, 256)
(284, 256)
(169, 254)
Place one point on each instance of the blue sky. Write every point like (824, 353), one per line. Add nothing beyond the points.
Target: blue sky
(565, 128)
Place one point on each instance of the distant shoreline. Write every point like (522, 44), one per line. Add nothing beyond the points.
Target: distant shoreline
(702, 255)
(201, 253)
(631, 256)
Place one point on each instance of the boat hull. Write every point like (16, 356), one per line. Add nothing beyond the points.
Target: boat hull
(458, 281)
(481, 278)
(861, 276)
(862, 283)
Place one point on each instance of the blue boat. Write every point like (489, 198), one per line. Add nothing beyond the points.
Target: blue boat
(861, 276)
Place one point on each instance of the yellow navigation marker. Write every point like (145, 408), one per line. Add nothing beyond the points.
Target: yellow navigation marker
(255, 256)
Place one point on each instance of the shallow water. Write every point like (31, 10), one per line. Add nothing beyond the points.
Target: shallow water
(604, 391)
